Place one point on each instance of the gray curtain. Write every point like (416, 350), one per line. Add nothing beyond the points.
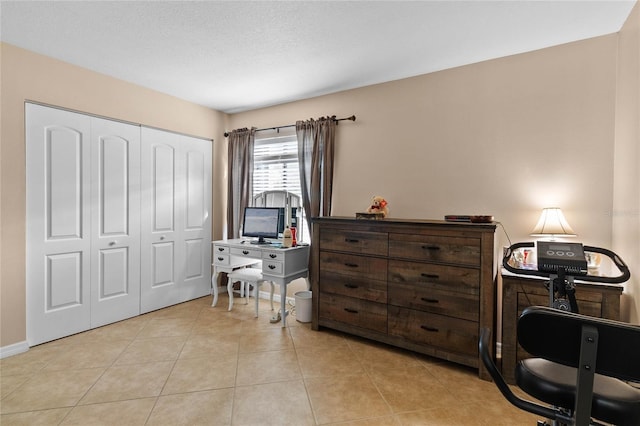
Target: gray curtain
(239, 177)
(316, 140)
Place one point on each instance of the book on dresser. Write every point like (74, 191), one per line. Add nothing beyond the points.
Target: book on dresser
(427, 286)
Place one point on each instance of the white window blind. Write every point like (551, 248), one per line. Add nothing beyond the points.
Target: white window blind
(275, 165)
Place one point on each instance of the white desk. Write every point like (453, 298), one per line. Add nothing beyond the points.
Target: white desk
(279, 265)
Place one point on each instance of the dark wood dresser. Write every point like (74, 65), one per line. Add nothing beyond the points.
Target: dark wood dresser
(426, 286)
(519, 292)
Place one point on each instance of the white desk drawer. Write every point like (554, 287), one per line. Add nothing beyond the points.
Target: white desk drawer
(247, 252)
(221, 249)
(273, 255)
(273, 268)
(221, 259)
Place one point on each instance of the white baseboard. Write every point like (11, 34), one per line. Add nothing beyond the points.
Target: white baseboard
(263, 295)
(15, 349)
(276, 297)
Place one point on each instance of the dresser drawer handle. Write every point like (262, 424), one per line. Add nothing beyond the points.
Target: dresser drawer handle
(431, 276)
(273, 256)
(220, 248)
(351, 286)
(351, 311)
(272, 267)
(351, 265)
(220, 259)
(245, 252)
(427, 328)
(431, 247)
(351, 240)
(424, 299)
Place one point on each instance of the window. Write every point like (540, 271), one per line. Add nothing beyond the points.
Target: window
(275, 168)
(275, 165)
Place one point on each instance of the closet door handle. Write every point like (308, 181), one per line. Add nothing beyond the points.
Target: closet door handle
(351, 265)
(351, 286)
(431, 329)
(351, 311)
(425, 299)
(431, 247)
(351, 240)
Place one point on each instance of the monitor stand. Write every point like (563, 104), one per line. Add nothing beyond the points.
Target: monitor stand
(260, 240)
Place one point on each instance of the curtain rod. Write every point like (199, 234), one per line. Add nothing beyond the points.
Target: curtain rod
(352, 118)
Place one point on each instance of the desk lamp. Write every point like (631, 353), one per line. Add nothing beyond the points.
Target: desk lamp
(552, 224)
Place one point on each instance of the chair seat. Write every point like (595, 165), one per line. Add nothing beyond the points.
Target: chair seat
(614, 401)
(247, 274)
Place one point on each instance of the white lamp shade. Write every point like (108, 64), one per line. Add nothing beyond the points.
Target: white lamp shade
(552, 222)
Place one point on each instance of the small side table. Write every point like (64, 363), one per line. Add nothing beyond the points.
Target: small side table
(519, 292)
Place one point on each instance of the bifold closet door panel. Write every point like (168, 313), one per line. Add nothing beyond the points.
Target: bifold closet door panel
(159, 257)
(175, 218)
(58, 260)
(115, 202)
(196, 229)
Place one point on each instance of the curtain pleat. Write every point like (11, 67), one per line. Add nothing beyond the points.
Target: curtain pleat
(316, 140)
(239, 177)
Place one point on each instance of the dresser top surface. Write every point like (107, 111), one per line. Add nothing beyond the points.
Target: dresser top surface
(402, 221)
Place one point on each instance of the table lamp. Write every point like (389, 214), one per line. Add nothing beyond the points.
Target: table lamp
(552, 224)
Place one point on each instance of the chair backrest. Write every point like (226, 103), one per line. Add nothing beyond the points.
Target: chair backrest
(276, 199)
(555, 335)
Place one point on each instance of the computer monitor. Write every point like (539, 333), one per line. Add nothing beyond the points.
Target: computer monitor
(261, 223)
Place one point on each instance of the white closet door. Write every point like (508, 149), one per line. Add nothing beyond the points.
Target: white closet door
(58, 223)
(175, 219)
(196, 229)
(115, 251)
(160, 175)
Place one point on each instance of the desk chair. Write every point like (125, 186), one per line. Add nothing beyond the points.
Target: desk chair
(248, 277)
(580, 367)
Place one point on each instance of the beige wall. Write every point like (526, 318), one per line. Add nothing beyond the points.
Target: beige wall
(626, 188)
(505, 137)
(26, 75)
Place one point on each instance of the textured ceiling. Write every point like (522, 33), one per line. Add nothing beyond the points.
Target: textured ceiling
(239, 55)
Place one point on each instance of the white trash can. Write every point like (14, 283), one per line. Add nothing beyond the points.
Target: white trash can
(303, 306)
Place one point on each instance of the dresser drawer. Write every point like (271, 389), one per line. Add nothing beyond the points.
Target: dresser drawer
(431, 248)
(452, 334)
(424, 297)
(374, 243)
(356, 312)
(451, 278)
(353, 265)
(353, 286)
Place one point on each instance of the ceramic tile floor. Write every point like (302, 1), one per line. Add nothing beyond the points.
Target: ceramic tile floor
(192, 364)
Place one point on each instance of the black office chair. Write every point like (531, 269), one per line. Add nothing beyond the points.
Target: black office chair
(581, 368)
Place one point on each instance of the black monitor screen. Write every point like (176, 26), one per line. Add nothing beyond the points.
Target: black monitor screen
(260, 222)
